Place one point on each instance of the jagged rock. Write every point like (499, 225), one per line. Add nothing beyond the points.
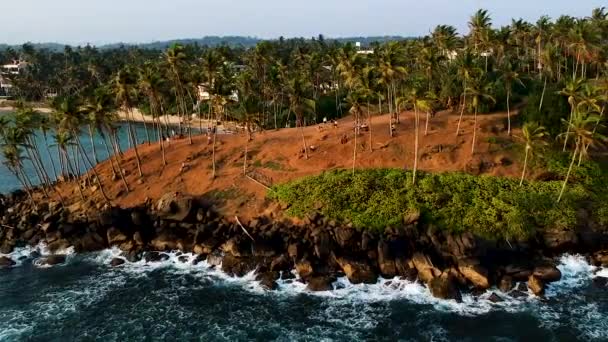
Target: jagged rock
(234, 247)
(506, 284)
(155, 256)
(51, 260)
(236, 266)
(443, 287)
(457, 276)
(304, 269)
(215, 259)
(115, 237)
(316, 284)
(474, 272)
(293, 251)
(344, 236)
(559, 240)
(425, 268)
(536, 285)
(117, 262)
(268, 280)
(280, 263)
(175, 207)
(494, 298)
(386, 264)
(357, 272)
(90, 242)
(263, 250)
(164, 242)
(138, 239)
(323, 246)
(600, 258)
(6, 262)
(547, 274)
(518, 294)
(58, 245)
(523, 287)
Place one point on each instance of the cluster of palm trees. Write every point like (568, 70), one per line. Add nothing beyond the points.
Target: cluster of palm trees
(281, 82)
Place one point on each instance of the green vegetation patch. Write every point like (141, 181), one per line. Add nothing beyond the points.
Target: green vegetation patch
(491, 207)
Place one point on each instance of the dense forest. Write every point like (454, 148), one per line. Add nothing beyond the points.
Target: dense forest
(554, 71)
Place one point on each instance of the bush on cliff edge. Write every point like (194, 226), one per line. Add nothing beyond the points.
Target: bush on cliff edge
(491, 207)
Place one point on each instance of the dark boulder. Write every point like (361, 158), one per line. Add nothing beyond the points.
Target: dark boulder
(268, 280)
(547, 274)
(425, 268)
(304, 269)
(474, 272)
(536, 285)
(357, 271)
(175, 207)
(317, 284)
(280, 263)
(443, 287)
(386, 263)
(115, 237)
(235, 266)
(90, 242)
(155, 257)
(6, 262)
(117, 262)
(58, 245)
(506, 284)
(51, 260)
(494, 298)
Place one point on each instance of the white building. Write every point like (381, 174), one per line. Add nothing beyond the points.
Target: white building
(13, 68)
(363, 51)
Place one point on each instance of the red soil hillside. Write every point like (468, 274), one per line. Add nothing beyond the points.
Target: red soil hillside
(275, 157)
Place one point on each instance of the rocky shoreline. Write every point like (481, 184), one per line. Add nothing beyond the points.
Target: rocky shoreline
(319, 249)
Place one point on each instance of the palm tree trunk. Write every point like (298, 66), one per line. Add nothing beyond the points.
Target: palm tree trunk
(416, 127)
(304, 141)
(86, 158)
(508, 113)
(245, 158)
(426, 125)
(214, 139)
(143, 119)
(369, 114)
(93, 146)
(464, 104)
(568, 174)
(134, 138)
(568, 129)
(523, 173)
(355, 142)
(542, 97)
(474, 132)
(48, 151)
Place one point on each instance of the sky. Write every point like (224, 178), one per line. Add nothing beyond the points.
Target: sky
(140, 21)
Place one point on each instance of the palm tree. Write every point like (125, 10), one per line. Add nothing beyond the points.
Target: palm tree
(533, 135)
(354, 101)
(509, 76)
(479, 90)
(580, 128)
(151, 83)
(175, 57)
(572, 91)
(124, 90)
(466, 70)
(298, 89)
(419, 103)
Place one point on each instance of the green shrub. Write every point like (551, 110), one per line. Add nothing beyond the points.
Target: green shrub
(492, 207)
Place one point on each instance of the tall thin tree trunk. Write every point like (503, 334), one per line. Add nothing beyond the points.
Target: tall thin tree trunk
(508, 112)
(542, 97)
(523, 173)
(93, 145)
(474, 132)
(426, 125)
(568, 174)
(134, 138)
(416, 140)
(464, 104)
(86, 158)
(213, 153)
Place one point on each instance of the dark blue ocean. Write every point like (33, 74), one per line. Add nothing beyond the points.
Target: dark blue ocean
(86, 300)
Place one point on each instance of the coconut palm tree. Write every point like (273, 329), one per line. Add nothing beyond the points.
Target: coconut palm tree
(298, 89)
(467, 69)
(123, 85)
(509, 76)
(572, 91)
(416, 100)
(580, 129)
(354, 100)
(479, 90)
(533, 135)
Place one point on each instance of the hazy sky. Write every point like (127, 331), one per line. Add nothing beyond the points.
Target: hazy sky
(104, 21)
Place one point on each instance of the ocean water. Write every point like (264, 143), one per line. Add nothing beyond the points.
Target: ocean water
(9, 183)
(86, 299)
